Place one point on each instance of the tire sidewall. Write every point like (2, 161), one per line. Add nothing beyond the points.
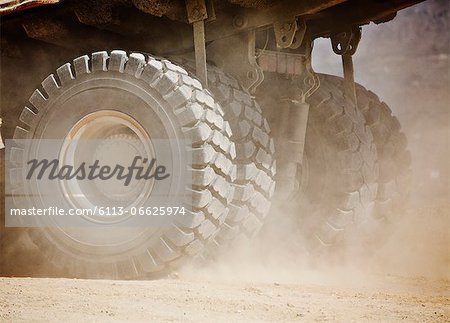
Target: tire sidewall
(128, 95)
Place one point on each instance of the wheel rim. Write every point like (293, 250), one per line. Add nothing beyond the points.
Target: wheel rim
(112, 138)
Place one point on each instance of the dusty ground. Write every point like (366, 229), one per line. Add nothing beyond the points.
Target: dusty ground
(407, 278)
(393, 299)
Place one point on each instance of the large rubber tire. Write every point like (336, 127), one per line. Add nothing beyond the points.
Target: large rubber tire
(255, 158)
(191, 113)
(394, 159)
(338, 178)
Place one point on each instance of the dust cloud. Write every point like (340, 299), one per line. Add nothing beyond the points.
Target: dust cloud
(406, 63)
(404, 275)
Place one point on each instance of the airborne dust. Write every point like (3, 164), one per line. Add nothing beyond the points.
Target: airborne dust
(406, 63)
(274, 277)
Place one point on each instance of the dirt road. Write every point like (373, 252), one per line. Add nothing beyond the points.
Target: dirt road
(266, 282)
(393, 299)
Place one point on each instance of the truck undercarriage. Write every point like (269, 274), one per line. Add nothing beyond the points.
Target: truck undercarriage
(252, 58)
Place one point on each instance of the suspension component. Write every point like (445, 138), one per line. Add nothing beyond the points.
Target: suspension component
(290, 34)
(290, 145)
(293, 112)
(345, 43)
(197, 14)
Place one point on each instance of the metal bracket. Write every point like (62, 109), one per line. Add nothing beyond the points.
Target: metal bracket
(346, 41)
(236, 55)
(299, 34)
(197, 13)
(196, 10)
(289, 34)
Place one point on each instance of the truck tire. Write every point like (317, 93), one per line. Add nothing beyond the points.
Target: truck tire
(255, 157)
(350, 160)
(393, 158)
(338, 177)
(255, 160)
(173, 103)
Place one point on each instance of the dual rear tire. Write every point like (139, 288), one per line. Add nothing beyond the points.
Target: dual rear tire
(355, 167)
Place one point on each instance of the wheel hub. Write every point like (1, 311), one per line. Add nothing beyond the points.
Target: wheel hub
(111, 139)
